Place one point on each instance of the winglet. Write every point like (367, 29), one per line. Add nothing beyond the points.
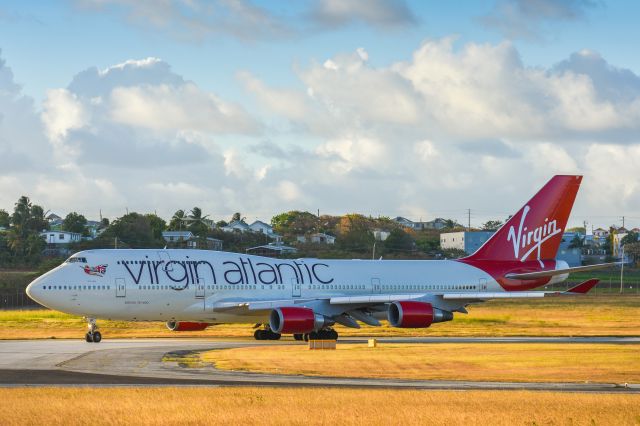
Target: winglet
(584, 287)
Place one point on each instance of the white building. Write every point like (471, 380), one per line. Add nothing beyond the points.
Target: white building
(317, 238)
(467, 241)
(60, 237)
(175, 236)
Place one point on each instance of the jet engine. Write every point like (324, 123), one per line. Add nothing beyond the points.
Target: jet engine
(410, 314)
(187, 326)
(296, 320)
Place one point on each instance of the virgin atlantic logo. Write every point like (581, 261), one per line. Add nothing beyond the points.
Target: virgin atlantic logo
(531, 240)
(99, 270)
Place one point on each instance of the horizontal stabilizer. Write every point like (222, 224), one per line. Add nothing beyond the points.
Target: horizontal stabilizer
(584, 287)
(552, 272)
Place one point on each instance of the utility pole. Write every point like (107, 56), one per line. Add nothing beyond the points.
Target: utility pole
(468, 219)
(622, 269)
(115, 242)
(623, 221)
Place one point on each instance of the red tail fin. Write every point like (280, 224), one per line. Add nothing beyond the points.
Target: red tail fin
(535, 232)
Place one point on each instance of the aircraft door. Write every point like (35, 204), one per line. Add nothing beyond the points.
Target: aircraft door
(296, 288)
(200, 286)
(375, 285)
(482, 284)
(121, 287)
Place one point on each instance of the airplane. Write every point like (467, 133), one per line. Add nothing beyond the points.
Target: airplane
(194, 289)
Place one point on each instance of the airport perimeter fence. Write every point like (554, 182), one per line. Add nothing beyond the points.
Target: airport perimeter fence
(609, 286)
(18, 301)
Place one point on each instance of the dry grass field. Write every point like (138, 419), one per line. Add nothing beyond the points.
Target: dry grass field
(513, 362)
(554, 316)
(276, 406)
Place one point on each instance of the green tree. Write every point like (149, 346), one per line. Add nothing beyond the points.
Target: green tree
(576, 242)
(491, 225)
(5, 219)
(633, 251)
(157, 224)
(178, 220)
(133, 230)
(294, 223)
(631, 237)
(75, 222)
(398, 240)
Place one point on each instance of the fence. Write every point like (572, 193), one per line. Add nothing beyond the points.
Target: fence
(606, 286)
(18, 301)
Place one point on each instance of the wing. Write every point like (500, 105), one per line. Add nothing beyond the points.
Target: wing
(347, 310)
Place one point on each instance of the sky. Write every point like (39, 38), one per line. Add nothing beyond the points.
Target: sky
(381, 107)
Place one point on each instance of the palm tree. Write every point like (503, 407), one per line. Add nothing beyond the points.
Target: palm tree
(198, 224)
(177, 220)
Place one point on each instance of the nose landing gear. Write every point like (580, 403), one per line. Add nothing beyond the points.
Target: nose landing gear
(93, 335)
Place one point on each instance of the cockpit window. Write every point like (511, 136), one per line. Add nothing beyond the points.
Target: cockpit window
(76, 259)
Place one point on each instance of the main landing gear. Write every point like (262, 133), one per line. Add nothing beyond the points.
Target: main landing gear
(328, 334)
(93, 335)
(266, 334)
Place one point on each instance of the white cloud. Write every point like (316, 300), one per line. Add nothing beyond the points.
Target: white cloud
(62, 111)
(185, 107)
(450, 128)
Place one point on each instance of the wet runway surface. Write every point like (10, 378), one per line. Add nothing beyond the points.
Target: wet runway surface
(139, 362)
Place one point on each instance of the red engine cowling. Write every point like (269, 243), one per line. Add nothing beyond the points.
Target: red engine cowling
(187, 326)
(295, 320)
(409, 314)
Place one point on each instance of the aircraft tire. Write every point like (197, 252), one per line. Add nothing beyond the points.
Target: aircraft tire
(88, 337)
(298, 337)
(274, 336)
(97, 337)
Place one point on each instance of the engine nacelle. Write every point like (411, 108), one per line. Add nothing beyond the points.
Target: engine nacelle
(296, 320)
(187, 326)
(409, 314)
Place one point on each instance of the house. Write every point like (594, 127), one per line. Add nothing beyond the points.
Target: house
(271, 250)
(260, 226)
(438, 223)
(61, 237)
(176, 236)
(600, 233)
(317, 238)
(54, 220)
(236, 226)
(571, 255)
(187, 239)
(403, 221)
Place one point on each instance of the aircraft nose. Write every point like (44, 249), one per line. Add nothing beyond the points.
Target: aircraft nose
(34, 289)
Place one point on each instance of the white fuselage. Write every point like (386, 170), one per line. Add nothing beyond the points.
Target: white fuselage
(188, 285)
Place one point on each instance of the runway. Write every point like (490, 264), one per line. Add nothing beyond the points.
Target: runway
(139, 362)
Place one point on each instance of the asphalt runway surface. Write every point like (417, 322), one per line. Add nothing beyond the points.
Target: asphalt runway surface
(139, 362)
